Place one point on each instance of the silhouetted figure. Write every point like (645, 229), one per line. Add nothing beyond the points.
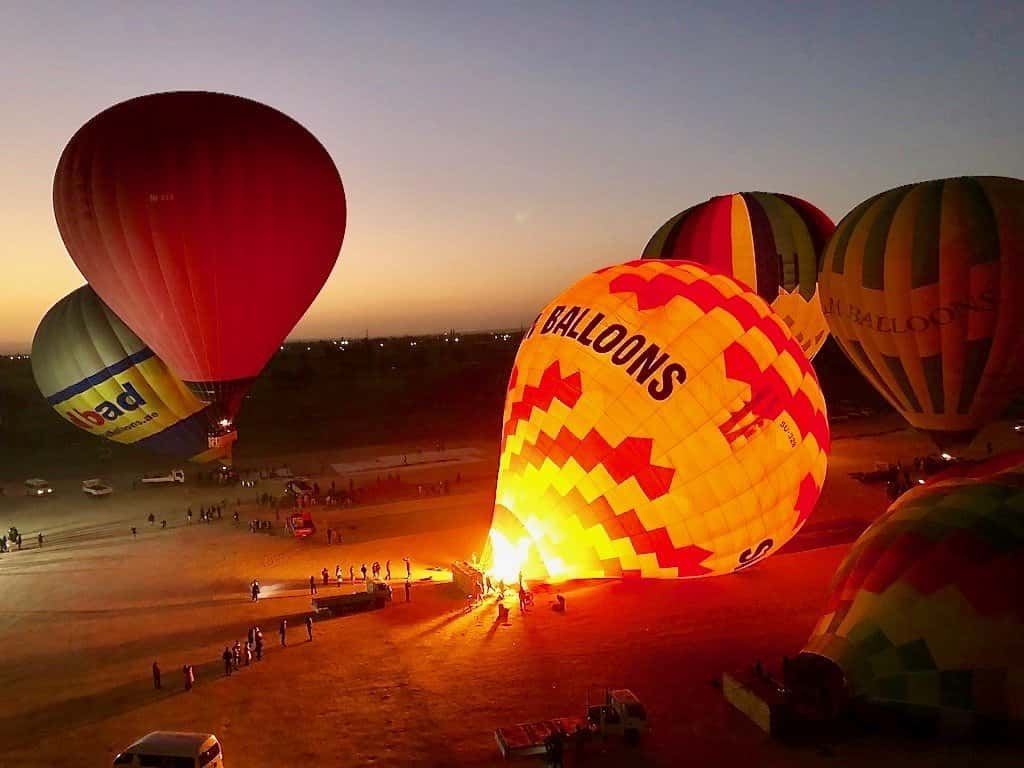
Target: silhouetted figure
(309, 628)
(363, 570)
(312, 585)
(408, 568)
(352, 574)
(408, 591)
(151, 519)
(259, 644)
(226, 656)
(254, 589)
(39, 538)
(156, 676)
(282, 630)
(190, 676)
(324, 575)
(387, 570)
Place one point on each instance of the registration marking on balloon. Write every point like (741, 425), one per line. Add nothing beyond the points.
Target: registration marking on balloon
(661, 421)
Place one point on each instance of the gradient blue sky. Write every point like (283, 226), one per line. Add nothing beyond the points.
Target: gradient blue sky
(493, 152)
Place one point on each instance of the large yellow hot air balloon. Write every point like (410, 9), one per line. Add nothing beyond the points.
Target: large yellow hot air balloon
(98, 375)
(661, 421)
(768, 241)
(923, 287)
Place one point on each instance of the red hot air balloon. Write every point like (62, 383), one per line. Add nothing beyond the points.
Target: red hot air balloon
(208, 223)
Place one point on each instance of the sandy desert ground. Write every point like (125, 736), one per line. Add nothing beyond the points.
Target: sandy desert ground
(418, 684)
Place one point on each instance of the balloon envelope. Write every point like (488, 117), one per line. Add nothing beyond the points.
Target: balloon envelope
(660, 421)
(98, 375)
(922, 287)
(925, 614)
(207, 222)
(770, 242)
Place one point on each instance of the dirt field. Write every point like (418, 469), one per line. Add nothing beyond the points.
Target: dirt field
(419, 684)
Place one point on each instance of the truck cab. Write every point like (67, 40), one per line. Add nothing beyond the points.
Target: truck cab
(620, 714)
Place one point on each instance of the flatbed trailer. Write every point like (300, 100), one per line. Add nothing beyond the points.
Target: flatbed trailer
(376, 595)
(528, 739)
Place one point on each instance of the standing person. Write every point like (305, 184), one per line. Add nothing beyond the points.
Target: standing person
(39, 538)
(376, 569)
(226, 656)
(408, 568)
(156, 676)
(254, 588)
(387, 570)
(522, 598)
(19, 542)
(259, 644)
(247, 653)
(312, 585)
(236, 655)
(325, 575)
(151, 518)
(282, 630)
(330, 535)
(250, 636)
(408, 591)
(363, 570)
(188, 516)
(190, 676)
(337, 573)
(309, 629)
(352, 574)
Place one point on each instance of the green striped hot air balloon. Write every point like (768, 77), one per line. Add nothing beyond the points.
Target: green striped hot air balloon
(926, 613)
(922, 288)
(98, 375)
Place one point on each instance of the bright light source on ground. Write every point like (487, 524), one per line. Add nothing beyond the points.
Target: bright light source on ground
(508, 559)
(946, 456)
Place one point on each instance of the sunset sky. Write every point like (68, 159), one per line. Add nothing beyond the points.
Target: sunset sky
(494, 152)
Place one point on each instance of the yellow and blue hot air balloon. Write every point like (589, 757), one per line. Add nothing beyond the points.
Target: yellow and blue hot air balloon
(98, 375)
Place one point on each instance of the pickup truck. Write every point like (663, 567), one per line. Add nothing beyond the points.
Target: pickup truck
(96, 487)
(168, 478)
(620, 714)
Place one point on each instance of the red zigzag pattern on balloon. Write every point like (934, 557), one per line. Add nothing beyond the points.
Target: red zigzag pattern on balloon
(553, 386)
(740, 365)
(630, 458)
(687, 560)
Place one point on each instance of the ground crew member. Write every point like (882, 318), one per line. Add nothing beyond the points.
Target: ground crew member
(156, 675)
(309, 628)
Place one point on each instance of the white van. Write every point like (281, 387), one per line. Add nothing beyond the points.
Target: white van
(173, 749)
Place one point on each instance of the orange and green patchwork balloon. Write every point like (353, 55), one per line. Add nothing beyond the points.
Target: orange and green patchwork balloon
(926, 613)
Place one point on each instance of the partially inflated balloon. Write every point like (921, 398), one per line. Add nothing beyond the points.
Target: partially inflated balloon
(660, 421)
(208, 223)
(102, 378)
(768, 241)
(922, 286)
(926, 613)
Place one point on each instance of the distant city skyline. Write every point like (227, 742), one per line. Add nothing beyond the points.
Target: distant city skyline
(494, 153)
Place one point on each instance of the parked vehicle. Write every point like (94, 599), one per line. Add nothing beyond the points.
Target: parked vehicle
(37, 487)
(173, 749)
(167, 478)
(96, 487)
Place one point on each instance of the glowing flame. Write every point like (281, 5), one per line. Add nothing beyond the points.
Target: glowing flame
(507, 559)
